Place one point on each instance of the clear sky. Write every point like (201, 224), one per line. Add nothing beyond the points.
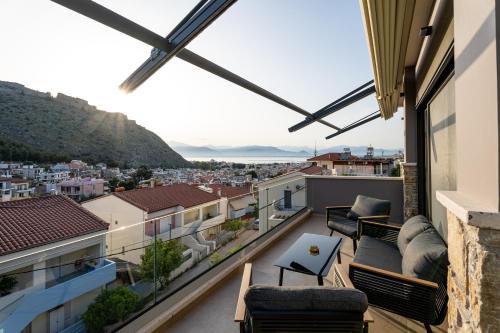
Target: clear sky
(308, 52)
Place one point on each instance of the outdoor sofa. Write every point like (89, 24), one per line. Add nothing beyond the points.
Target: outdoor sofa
(403, 269)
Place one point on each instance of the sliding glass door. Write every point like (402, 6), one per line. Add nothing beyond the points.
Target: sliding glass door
(441, 152)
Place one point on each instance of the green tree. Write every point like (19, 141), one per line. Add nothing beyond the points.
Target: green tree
(396, 172)
(238, 165)
(113, 183)
(112, 164)
(215, 258)
(168, 258)
(142, 173)
(255, 213)
(6, 284)
(234, 225)
(128, 184)
(233, 250)
(111, 306)
(253, 174)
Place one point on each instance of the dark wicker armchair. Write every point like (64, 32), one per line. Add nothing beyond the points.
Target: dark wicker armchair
(299, 309)
(344, 219)
(403, 269)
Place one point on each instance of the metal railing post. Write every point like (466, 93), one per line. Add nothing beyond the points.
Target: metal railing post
(154, 262)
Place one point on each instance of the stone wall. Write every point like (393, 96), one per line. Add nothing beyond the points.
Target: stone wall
(473, 277)
(410, 191)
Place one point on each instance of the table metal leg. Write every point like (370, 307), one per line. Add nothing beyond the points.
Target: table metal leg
(320, 280)
(281, 277)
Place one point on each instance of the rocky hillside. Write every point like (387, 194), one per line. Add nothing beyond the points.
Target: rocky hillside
(35, 123)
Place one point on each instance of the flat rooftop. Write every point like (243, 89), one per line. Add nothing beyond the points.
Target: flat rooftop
(215, 312)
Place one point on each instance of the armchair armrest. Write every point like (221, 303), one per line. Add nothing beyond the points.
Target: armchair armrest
(384, 231)
(393, 276)
(338, 207)
(374, 218)
(246, 281)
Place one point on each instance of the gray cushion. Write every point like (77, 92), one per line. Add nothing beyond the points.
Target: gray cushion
(378, 253)
(426, 257)
(411, 228)
(344, 226)
(273, 298)
(367, 206)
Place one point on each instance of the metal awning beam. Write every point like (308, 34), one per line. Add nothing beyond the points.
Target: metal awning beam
(195, 22)
(113, 20)
(357, 123)
(339, 104)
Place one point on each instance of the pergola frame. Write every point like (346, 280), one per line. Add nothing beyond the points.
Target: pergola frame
(174, 44)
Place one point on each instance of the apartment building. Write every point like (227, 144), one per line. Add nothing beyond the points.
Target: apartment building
(52, 177)
(5, 189)
(15, 189)
(55, 269)
(29, 171)
(81, 188)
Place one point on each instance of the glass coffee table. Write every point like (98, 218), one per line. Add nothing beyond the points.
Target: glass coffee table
(299, 257)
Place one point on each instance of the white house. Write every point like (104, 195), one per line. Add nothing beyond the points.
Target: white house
(81, 188)
(238, 201)
(180, 209)
(30, 171)
(53, 177)
(282, 196)
(52, 249)
(14, 189)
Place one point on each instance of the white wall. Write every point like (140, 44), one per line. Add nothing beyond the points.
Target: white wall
(274, 190)
(125, 225)
(476, 101)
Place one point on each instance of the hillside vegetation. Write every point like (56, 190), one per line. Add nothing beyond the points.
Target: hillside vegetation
(42, 128)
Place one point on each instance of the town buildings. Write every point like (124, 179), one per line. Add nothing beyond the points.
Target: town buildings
(171, 211)
(346, 164)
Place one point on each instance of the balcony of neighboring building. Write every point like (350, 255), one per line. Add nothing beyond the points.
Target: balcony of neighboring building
(18, 309)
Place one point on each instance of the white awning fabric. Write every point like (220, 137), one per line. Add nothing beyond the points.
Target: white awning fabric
(387, 26)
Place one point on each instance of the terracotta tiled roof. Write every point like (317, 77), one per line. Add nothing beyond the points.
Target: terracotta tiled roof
(163, 197)
(230, 191)
(331, 157)
(337, 157)
(30, 223)
(312, 170)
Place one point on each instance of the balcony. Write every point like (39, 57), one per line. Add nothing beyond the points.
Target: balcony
(26, 306)
(210, 294)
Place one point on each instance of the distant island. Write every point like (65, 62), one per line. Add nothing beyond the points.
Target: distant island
(189, 151)
(40, 128)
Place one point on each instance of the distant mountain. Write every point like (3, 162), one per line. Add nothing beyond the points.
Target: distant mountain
(246, 151)
(269, 151)
(34, 125)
